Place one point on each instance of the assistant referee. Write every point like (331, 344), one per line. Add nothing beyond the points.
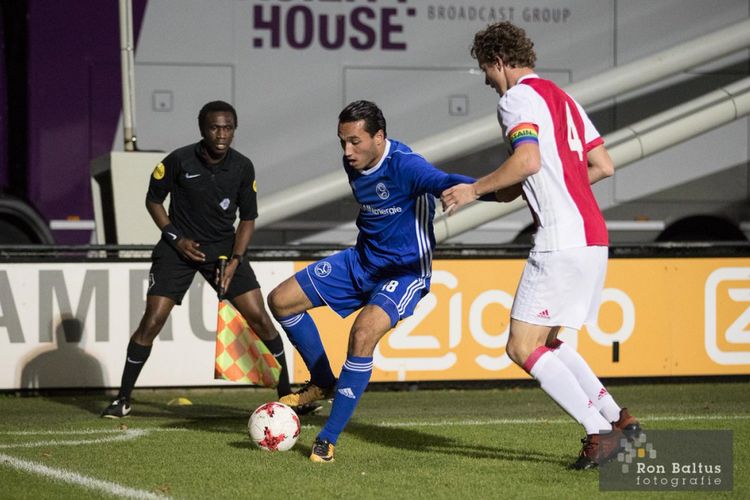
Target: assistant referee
(208, 183)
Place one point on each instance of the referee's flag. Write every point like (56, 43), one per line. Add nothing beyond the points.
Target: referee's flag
(240, 355)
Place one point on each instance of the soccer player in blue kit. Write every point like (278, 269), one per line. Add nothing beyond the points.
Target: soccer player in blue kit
(385, 274)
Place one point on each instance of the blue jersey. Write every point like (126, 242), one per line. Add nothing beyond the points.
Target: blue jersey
(396, 210)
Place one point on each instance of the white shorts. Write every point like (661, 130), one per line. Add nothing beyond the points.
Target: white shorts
(561, 288)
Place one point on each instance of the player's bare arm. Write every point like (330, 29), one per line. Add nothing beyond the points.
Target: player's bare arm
(243, 235)
(600, 164)
(524, 162)
(188, 248)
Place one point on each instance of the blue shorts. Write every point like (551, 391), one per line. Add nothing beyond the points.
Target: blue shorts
(342, 283)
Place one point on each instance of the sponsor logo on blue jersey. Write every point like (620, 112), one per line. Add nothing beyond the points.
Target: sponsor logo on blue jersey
(381, 211)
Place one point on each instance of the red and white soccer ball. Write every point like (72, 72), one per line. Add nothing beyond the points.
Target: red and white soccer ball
(274, 427)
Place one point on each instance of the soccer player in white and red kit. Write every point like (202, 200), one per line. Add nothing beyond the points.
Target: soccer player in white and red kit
(556, 155)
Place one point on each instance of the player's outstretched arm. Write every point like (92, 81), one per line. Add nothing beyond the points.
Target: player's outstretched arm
(431, 179)
(524, 162)
(457, 196)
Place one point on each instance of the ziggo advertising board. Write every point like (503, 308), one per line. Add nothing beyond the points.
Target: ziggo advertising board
(67, 325)
(669, 316)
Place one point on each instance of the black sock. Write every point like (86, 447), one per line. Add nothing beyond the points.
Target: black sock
(134, 361)
(276, 346)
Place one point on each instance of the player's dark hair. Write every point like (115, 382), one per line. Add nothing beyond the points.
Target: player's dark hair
(212, 107)
(506, 41)
(367, 111)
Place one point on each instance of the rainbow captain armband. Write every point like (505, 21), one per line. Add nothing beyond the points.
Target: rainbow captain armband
(523, 133)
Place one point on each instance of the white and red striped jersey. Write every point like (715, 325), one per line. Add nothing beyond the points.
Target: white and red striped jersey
(559, 195)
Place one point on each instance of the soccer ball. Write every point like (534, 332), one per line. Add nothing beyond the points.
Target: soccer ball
(274, 427)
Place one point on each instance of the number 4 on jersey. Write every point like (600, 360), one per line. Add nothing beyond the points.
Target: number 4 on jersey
(574, 142)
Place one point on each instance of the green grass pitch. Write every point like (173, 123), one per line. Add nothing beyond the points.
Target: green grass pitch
(477, 443)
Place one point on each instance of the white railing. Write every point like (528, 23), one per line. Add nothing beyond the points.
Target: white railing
(484, 132)
(629, 145)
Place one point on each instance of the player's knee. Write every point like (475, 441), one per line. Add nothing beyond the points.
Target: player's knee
(516, 352)
(149, 328)
(263, 326)
(286, 299)
(275, 303)
(362, 341)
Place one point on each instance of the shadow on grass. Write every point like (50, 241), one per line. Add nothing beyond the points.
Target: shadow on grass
(146, 408)
(423, 442)
(88, 402)
(229, 418)
(215, 418)
(246, 444)
(232, 420)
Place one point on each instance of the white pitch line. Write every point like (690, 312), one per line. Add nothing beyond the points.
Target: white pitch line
(517, 421)
(116, 435)
(55, 433)
(78, 479)
(125, 435)
(88, 431)
(524, 421)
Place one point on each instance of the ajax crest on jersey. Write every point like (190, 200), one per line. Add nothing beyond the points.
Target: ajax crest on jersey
(274, 427)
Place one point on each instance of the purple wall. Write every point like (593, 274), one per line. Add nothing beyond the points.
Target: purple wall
(74, 101)
(3, 110)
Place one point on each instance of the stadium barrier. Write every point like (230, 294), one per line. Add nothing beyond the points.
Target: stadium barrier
(66, 314)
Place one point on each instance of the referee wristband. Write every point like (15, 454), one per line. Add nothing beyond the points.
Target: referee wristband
(171, 234)
(239, 258)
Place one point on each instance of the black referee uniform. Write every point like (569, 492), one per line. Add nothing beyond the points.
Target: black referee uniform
(209, 183)
(203, 206)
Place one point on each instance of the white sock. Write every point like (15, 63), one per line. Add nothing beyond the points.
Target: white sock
(557, 381)
(588, 381)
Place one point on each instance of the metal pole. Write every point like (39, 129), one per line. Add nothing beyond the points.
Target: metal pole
(127, 64)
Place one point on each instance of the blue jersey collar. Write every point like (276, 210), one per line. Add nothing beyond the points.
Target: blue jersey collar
(386, 152)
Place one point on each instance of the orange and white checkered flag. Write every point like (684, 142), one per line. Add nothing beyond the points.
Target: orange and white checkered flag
(240, 355)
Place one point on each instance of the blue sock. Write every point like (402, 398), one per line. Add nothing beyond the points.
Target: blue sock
(352, 384)
(303, 334)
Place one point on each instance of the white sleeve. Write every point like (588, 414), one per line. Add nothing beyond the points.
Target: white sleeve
(519, 105)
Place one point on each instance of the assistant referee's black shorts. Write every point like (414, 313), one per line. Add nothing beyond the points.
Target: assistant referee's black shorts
(171, 275)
